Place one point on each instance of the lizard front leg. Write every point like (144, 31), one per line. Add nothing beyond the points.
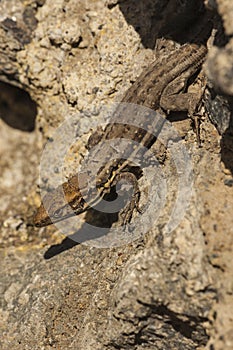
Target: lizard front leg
(126, 183)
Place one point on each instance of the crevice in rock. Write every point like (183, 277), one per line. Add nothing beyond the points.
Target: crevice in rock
(17, 109)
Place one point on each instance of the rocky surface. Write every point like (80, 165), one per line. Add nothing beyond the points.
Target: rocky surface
(63, 58)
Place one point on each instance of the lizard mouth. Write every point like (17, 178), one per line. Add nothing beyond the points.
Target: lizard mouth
(41, 217)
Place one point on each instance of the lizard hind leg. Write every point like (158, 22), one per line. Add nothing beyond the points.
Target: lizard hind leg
(190, 100)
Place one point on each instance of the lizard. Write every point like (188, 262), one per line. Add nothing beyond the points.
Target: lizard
(160, 86)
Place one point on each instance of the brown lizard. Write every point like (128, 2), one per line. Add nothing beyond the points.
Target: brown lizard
(162, 85)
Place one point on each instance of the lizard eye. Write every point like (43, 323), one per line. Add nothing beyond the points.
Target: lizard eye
(57, 213)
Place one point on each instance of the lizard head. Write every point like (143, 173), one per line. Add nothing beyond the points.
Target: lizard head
(63, 202)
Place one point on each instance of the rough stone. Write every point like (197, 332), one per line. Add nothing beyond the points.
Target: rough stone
(170, 291)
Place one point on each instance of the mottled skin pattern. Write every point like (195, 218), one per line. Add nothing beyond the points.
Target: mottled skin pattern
(162, 85)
